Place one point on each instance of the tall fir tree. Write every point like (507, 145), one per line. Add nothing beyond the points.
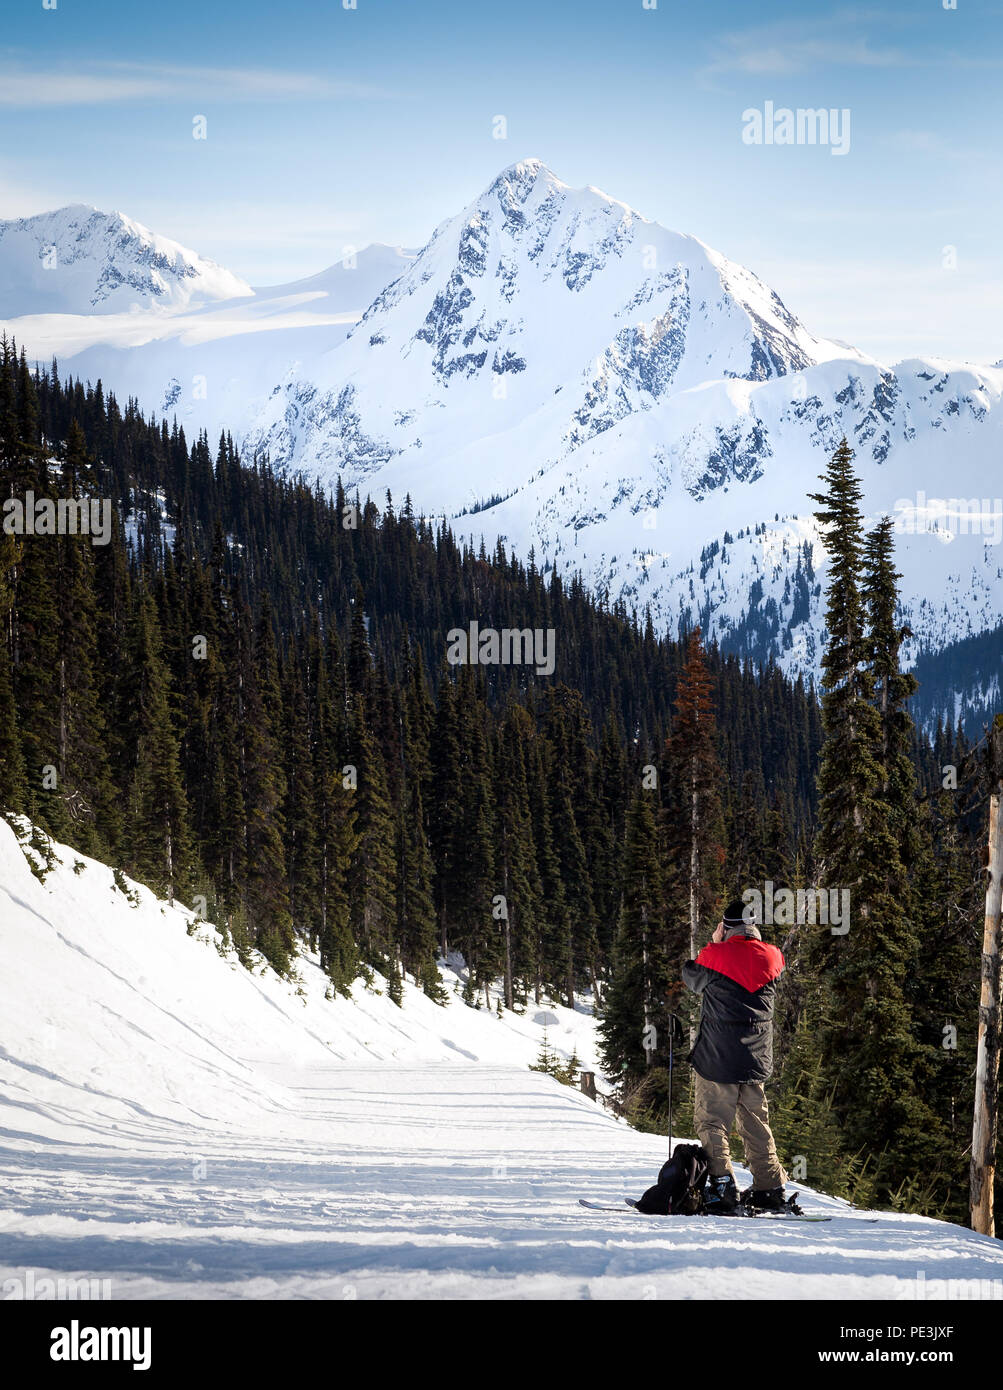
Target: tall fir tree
(868, 1053)
(416, 918)
(13, 785)
(266, 886)
(372, 878)
(518, 873)
(87, 796)
(159, 850)
(337, 841)
(299, 806)
(692, 781)
(633, 1025)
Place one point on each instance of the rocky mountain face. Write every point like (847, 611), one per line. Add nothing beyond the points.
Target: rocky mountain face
(540, 311)
(78, 260)
(556, 370)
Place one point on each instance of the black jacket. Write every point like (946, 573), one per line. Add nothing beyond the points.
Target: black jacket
(737, 979)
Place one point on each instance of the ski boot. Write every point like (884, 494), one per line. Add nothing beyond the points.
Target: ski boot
(773, 1200)
(721, 1196)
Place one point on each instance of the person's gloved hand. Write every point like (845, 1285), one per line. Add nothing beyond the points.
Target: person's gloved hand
(718, 933)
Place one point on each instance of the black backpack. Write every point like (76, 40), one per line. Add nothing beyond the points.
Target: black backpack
(679, 1189)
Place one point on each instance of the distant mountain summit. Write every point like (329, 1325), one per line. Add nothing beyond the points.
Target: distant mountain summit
(78, 260)
(539, 309)
(555, 370)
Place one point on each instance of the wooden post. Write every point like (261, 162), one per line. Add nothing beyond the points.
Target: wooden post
(589, 1084)
(987, 1064)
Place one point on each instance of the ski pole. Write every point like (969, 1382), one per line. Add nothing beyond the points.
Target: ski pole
(672, 1030)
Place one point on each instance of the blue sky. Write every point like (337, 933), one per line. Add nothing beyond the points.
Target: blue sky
(330, 128)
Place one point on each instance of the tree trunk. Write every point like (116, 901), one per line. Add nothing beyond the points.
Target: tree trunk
(984, 1127)
(694, 860)
(62, 722)
(645, 989)
(571, 968)
(694, 876)
(509, 997)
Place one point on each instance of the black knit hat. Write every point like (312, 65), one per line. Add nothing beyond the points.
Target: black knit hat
(735, 915)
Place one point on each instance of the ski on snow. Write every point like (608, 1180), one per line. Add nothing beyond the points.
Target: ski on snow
(757, 1216)
(786, 1216)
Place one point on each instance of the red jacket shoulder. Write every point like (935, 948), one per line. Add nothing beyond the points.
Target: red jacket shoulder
(750, 963)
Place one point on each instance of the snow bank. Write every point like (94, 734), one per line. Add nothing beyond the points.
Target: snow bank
(174, 1126)
(121, 1010)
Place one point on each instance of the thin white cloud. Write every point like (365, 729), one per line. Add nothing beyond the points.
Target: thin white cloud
(68, 89)
(765, 52)
(107, 83)
(839, 39)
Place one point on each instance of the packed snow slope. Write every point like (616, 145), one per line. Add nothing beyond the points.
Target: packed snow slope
(182, 1127)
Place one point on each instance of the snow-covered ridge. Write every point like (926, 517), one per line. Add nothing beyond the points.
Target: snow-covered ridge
(539, 313)
(120, 1008)
(207, 352)
(634, 397)
(78, 260)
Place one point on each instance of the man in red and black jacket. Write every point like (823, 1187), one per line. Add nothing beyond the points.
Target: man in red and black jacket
(736, 976)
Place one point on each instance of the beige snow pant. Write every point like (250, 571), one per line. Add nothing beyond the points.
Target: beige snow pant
(716, 1107)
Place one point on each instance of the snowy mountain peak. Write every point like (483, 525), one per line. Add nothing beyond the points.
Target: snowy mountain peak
(79, 260)
(523, 174)
(520, 181)
(555, 369)
(558, 311)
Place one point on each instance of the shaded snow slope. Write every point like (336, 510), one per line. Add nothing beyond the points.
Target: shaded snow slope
(208, 362)
(115, 1016)
(181, 1127)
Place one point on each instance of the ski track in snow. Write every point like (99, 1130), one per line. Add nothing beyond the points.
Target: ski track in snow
(347, 1150)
